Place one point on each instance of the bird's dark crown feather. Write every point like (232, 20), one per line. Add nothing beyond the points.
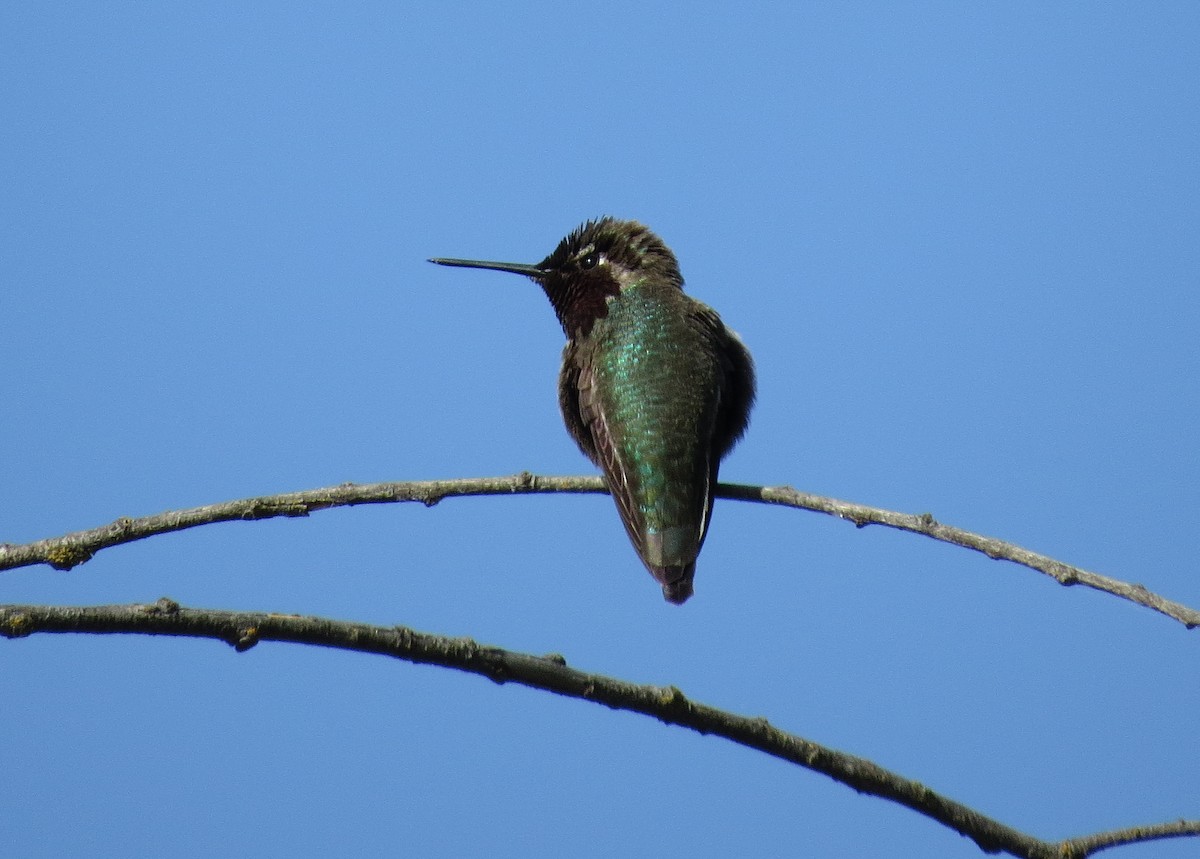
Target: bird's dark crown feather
(628, 244)
(631, 252)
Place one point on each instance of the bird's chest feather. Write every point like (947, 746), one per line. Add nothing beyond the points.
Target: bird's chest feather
(653, 373)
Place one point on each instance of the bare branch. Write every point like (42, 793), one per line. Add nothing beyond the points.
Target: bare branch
(73, 549)
(78, 547)
(924, 523)
(245, 629)
(1090, 844)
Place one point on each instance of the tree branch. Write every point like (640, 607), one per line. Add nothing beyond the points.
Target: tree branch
(245, 629)
(73, 549)
(924, 523)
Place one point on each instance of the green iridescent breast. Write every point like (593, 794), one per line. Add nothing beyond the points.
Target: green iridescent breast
(657, 378)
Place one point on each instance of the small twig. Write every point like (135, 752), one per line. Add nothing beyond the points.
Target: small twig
(924, 523)
(1089, 844)
(243, 630)
(70, 550)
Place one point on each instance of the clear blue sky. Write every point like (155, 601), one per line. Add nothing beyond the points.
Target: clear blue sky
(961, 241)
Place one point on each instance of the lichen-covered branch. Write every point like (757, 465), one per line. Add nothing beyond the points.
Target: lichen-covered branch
(243, 630)
(73, 549)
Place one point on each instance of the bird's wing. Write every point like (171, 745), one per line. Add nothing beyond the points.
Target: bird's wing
(737, 389)
(568, 402)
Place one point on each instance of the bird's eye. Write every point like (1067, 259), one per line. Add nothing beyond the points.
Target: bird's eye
(590, 261)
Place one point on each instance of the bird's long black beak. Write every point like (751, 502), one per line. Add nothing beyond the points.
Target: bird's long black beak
(514, 267)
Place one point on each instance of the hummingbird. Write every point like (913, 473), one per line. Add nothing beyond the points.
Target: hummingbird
(654, 389)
